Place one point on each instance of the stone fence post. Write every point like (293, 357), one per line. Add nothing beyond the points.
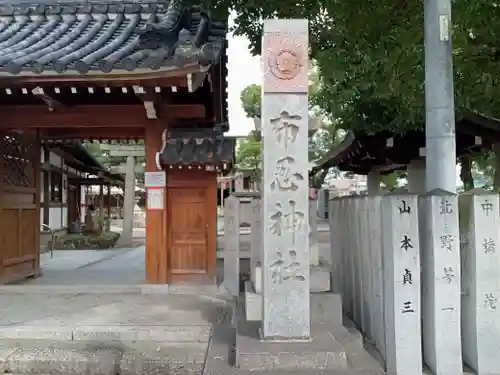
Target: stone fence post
(373, 219)
(479, 226)
(439, 241)
(401, 260)
(256, 245)
(232, 245)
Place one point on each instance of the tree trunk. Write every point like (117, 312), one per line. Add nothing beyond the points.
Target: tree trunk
(466, 173)
(496, 166)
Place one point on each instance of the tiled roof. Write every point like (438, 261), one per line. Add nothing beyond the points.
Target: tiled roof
(104, 37)
(184, 149)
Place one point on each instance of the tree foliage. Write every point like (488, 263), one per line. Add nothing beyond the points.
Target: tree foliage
(248, 157)
(371, 56)
(250, 100)
(322, 142)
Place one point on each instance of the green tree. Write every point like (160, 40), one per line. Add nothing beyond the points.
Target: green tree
(372, 71)
(321, 143)
(391, 180)
(250, 99)
(248, 157)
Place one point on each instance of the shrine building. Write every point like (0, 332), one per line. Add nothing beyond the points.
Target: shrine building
(76, 71)
(385, 152)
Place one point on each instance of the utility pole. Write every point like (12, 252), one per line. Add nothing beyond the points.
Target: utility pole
(440, 150)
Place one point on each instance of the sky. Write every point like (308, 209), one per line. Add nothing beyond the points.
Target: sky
(243, 70)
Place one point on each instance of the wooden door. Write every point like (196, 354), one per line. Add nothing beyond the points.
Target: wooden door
(188, 235)
(19, 207)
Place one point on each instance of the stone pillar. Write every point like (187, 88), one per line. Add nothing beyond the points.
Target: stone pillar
(335, 245)
(313, 236)
(415, 172)
(479, 225)
(376, 266)
(373, 183)
(439, 241)
(347, 229)
(286, 308)
(256, 246)
(356, 260)
(238, 182)
(401, 260)
(365, 268)
(128, 203)
(232, 245)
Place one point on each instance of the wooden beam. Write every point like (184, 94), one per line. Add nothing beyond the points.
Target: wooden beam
(151, 100)
(107, 116)
(90, 133)
(94, 181)
(159, 78)
(124, 148)
(121, 169)
(51, 102)
(195, 80)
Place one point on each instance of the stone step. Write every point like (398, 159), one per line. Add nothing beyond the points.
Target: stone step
(297, 372)
(120, 333)
(358, 360)
(209, 290)
(73, 358)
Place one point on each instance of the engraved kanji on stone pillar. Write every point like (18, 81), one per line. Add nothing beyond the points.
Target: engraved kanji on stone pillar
(480, 238)
(285, 189)
(232, 245)
(440, 254)
(401, 263)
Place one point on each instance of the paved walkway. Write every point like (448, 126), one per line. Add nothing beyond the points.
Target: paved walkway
(92, 267)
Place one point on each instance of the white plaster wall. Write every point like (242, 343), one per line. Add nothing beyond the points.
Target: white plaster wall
(55, 160)
(58, 216)
(55, 217)
(82, 203)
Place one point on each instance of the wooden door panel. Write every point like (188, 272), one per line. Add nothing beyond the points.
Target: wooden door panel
(188, 233)
(19, 206)
(19, 240)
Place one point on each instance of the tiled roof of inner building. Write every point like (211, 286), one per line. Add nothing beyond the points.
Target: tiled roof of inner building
(187, 149)
(89, 37)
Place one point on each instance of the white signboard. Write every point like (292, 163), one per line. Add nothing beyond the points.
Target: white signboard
(155, 199)
(155, 179)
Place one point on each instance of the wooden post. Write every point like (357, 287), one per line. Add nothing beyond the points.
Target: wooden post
(128, 204)
(109, 208)
(37, 175)
(46, 188)
(62, 190)
(101, 206)
(156, 220)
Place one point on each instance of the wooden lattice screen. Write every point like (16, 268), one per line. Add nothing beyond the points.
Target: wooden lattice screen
(18, 155)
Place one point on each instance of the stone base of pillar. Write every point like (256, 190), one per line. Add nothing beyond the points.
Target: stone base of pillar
(339, 347)
(323, 351)
(320, 280)
(326, 307)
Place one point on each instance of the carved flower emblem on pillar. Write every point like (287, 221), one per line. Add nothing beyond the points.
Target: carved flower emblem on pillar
(286, 65)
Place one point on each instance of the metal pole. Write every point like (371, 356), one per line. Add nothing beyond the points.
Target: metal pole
(439, 98)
